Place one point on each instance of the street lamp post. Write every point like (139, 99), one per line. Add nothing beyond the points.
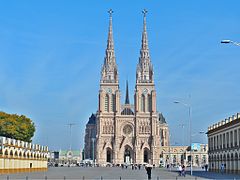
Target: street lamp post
(190, 130)
(227, 41)
(169, 152)
(182, 126)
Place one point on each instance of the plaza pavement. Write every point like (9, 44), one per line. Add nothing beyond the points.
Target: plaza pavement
(113, 173)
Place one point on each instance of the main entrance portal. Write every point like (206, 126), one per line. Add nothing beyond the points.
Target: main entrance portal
(128, 155)
(146, 155)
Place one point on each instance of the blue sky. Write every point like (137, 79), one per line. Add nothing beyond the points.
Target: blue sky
(51, 54)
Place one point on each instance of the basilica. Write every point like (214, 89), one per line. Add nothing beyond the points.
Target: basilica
(126, 133)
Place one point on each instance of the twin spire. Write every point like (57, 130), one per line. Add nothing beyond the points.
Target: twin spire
(109, 69)
(144, 72)
(144, 68)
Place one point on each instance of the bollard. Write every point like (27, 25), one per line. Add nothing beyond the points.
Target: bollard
(120, 178)
(45, 177)
(7, 177)
(101, 178)
(26, 177)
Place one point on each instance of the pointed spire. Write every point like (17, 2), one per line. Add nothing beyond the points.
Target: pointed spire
(127, 96)
(144, 68)
(110, 45)
(144, 34)
(109, 69)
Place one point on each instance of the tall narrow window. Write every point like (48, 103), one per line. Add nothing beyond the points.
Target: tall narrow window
(143, 103)
(113, 103)
(107, 103)
(149, 103)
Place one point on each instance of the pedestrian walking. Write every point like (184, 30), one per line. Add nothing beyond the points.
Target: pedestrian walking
(222, 168)
(148, 168)
(180, 170)
(183, 170)
(206, 167)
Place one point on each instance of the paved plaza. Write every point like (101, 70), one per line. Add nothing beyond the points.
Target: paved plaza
(98, 173)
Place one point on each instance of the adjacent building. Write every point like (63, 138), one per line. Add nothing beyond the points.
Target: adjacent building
(20, 156)
(128, 133)
(224, 144)
(65, 157)
(176, 155)
(90, 138)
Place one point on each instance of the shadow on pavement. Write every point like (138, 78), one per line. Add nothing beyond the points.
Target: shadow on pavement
(214, 175)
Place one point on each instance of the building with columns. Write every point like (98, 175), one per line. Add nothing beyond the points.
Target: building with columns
(128, 133)
(224, 143)
(19, 156)
(176, 155)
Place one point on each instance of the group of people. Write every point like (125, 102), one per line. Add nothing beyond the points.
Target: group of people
(181, 169)
(134, 166)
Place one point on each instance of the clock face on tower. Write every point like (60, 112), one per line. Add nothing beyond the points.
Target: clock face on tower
(145, 91)
(109, 90)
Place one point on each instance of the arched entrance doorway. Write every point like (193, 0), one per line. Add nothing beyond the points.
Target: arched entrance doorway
(128, 155)
(146, 155)
(109, 155)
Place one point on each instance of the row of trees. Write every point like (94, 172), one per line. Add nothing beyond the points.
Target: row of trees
(16, 126)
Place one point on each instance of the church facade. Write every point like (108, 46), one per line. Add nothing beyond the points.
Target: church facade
(128, 133)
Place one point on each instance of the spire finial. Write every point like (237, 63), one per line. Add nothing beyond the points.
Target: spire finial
(127, 96)
(144, 12)
(110, 11)
(144, 20)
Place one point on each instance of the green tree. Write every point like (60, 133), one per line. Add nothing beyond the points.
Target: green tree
(16, 126)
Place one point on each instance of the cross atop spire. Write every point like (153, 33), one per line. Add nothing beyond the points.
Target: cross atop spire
(144, 12)
(110, 11)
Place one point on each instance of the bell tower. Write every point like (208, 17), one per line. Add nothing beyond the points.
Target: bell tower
(109, 103)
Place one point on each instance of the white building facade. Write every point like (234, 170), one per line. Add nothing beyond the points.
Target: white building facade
(176, 155)
(224, 144)
(20, 156)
